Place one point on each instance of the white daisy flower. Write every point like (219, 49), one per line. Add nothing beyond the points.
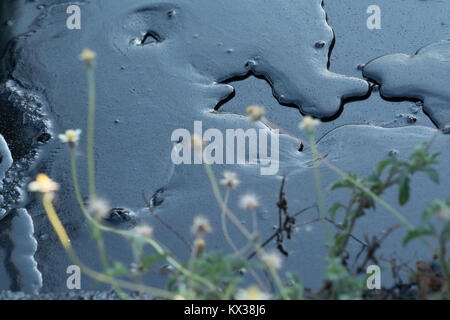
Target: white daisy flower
(255, 113)
(272, 260)
(309, 123)
(230, 180)
(201, 226)
(44, 185)
(249, 201)
(71, 137)
(251, 293)
(88, 56)
(98, 208)
(144, 230)
(197, 143)
(444, 214)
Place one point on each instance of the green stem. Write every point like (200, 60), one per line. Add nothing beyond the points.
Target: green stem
(92, 225)
(94, 229)
(76, 186)
(319, 192)
(223, 205)
(90, 133)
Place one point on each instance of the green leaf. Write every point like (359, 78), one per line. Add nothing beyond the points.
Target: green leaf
(372, 180)
(148, 261)
(433, 175)
(414, 234)
(345, 183)
(403, 195)
(118, 269)
(335, 270)
(383, 165)
(334, 208)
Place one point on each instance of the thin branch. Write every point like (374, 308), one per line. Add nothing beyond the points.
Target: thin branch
(166, 224)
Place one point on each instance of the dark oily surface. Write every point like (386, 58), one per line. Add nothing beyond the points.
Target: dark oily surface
(423, 76)
(157, 72)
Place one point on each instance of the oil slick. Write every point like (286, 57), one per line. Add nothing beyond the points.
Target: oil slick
(423, 76)
(286, 43)
(28, 277)
(6, 161)
(187, 55)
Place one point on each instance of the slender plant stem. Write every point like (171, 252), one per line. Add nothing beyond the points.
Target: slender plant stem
(222, 204)
(54, 220)
(90, 133)
(92, 223)
(319, 192)
(224, 225)
(231, 243)
(93, 226)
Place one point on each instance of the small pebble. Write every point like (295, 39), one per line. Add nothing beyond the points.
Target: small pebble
(393, 153)
(320, 44)
(411, 119)
(171, 14)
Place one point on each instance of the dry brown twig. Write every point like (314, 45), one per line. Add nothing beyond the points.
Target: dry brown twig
(287, 223)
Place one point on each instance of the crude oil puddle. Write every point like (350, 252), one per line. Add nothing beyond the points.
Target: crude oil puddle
(19, 244)
(162, 66)
(423, 76)
(288, 45)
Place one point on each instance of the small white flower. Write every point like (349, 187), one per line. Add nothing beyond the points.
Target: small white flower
(252, 293)
(255, 113)
(88, 56)
(309, 123)
(249, 201)
(99, 208)
(308, 228)
(444, 214)
(144, 230)
(71, 137)
(197, 143)
(44, 185)
(272, 260)
(230, 180)
(201, 226)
